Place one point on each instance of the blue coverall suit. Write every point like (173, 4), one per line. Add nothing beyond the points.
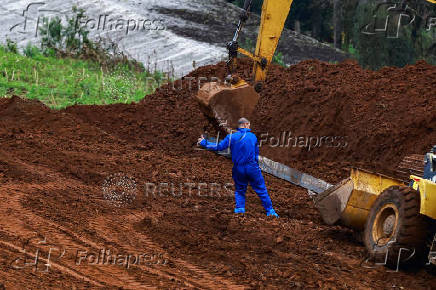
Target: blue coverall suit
(245, 156)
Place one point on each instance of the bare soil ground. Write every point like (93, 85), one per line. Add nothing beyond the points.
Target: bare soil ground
(56, 166)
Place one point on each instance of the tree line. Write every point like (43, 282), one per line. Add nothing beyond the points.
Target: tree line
(377, 33)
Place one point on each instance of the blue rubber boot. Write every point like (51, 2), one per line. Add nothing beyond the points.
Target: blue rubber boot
(272, 212)
(240, 210)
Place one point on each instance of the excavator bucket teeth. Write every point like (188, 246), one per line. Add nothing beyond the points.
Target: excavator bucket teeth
(227, 103)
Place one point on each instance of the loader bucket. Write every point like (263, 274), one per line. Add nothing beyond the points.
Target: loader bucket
(332, 202)
(350, 201)
(227, 103)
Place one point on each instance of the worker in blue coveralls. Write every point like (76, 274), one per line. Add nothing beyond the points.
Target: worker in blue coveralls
(245, 156)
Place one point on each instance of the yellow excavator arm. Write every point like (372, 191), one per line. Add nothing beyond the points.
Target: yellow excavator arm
(236, 98)
(274, 14)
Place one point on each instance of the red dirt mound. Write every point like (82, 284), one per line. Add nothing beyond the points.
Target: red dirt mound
(315, 112)
(169, 119)
(378, 117)
(54, 168)
(312, 116)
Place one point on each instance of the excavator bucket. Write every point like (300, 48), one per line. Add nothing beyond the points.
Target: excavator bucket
(227, 103)
(351, 200)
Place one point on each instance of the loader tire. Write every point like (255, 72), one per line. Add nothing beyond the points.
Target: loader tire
(395, 229)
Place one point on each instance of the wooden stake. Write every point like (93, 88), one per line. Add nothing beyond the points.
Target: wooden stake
(53, 99)
(102, 77)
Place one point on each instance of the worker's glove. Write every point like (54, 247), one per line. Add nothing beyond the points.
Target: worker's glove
(200, 140)
(272, 212)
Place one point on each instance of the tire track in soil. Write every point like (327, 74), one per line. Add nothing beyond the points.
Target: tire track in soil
(184, 272)
(190, 274)
(60, 267)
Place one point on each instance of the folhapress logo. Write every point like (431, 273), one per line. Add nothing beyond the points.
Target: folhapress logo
(32, 17)
(38, 14)
(391, 18)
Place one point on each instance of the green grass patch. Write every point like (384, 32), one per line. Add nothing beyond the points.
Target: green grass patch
(63, 82)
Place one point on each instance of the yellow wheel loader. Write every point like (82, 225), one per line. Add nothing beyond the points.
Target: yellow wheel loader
(236, 98)
(396, 219)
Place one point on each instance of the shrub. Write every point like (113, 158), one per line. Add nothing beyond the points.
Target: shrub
(11, 46)
(51, 34)
(31, 51)
(70, 38)
(278, 59)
